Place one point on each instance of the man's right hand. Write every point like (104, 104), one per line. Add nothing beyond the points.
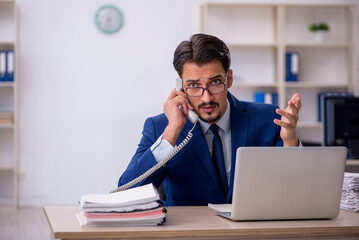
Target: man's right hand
(176, 116)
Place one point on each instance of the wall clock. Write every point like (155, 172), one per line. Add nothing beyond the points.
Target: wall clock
(109, 19)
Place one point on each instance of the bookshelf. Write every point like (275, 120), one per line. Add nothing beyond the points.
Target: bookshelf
(259, 35)
(8, 110)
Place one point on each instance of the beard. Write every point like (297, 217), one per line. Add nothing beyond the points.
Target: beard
(209, 117)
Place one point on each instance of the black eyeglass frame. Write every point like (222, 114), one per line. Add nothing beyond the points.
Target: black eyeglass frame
(207, 88)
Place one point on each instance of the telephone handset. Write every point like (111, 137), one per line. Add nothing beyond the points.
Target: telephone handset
(193, 117)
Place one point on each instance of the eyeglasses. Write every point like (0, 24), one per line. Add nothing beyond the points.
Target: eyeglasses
(212, 89)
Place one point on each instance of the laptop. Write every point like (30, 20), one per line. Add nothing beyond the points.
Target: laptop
(277, 183)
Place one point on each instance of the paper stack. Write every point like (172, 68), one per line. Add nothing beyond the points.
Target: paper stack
(350, 194)
(131, 207)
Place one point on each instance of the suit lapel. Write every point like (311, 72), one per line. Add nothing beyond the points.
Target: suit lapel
(200, 148)
(239, 129)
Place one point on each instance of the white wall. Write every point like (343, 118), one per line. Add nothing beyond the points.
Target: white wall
(84, 95)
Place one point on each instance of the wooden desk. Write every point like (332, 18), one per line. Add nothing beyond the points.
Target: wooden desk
(202, 223)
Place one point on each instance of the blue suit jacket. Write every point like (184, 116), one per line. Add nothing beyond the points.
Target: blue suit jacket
(189, 178)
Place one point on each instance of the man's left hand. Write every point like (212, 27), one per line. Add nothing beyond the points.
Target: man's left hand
(289, 121)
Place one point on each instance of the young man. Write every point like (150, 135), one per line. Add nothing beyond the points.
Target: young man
(203, 171)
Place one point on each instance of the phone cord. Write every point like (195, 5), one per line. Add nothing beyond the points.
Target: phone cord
(159, 164)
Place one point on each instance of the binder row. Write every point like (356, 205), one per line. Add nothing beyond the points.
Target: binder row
(291, 66)
(266, 97)
(7, 63)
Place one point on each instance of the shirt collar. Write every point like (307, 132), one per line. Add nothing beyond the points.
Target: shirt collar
(223, 123)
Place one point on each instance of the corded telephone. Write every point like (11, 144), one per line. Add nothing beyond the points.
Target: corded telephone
(193, 117)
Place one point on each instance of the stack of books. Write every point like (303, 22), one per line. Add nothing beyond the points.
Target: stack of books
(136, 206)
(350, 194)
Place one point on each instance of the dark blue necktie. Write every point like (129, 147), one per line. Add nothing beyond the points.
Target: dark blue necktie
(218, 159)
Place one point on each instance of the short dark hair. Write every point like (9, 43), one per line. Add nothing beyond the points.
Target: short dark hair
(201, 49)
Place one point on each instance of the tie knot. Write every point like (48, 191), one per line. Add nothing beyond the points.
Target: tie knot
(214, 128)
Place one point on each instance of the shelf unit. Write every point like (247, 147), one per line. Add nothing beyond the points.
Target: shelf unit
(259, 35)
(8, 108)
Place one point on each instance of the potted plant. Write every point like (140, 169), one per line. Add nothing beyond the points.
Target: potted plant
(319, 29)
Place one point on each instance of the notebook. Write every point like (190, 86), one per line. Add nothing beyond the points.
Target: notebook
(273, 183)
